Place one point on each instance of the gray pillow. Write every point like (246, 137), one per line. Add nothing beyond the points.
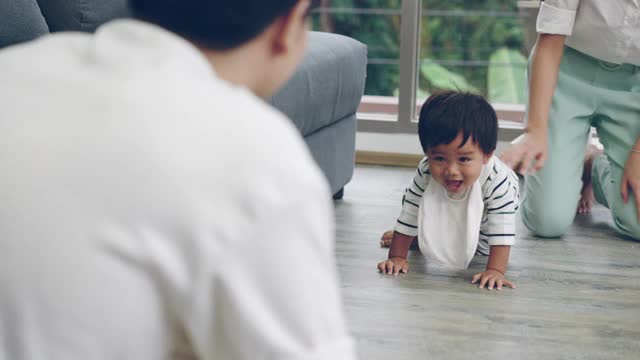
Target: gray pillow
(81, 15)
(21, 21)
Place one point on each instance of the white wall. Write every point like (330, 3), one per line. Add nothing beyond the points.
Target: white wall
(393, 143)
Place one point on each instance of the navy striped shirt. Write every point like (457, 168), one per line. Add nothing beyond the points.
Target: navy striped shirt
(500, 193)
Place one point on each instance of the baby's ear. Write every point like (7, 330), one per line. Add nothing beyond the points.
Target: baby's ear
(486, 157)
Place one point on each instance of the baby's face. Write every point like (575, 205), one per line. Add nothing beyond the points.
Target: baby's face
(454, 167)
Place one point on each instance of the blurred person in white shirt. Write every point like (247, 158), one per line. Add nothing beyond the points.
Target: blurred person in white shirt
(153, 206)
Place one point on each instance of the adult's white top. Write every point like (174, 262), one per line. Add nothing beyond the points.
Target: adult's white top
(150, 210)
(605, 29)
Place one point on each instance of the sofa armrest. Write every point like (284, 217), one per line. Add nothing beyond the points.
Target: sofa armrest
(328, 84)
(81, 15)
(21, 21)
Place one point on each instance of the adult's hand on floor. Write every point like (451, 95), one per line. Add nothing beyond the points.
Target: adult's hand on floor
(394, 266)
(527, 155)
(631, 180)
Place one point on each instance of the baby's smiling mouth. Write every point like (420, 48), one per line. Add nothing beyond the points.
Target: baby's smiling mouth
(454, 185)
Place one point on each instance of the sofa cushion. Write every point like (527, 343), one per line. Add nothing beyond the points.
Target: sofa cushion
(21, 21)
(327, 86)
(81, 15)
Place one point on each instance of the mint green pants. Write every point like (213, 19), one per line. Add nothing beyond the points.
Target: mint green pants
(589, 93)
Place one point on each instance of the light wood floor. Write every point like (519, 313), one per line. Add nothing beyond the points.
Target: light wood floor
(577, 297)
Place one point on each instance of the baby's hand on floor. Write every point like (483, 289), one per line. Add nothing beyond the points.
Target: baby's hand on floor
(491, 278)
(394, 266)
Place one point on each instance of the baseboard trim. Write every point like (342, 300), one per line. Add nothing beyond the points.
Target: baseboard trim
(387, 158)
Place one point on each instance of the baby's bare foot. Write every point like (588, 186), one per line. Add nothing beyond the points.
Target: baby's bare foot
(587, 199)
(385, 240)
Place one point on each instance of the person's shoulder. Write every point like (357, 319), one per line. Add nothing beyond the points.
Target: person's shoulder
(267, 132)
(281, 150)
(274, 173)
(260, 140)
(48, 52)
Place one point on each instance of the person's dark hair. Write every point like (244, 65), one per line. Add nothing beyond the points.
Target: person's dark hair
(446, 114)
(215, 24)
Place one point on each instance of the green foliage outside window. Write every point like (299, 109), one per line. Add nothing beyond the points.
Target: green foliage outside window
(474, 45)
(506, 83)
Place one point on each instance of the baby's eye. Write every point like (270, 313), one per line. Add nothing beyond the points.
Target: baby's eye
(465, 159)
(439, 158)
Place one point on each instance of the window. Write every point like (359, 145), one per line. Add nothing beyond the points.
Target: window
(377, 24)
(417, 47)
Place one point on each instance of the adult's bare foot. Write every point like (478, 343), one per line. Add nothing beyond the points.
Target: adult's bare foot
(587, 199)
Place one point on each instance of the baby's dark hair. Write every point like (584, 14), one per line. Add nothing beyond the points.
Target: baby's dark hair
(446, 114)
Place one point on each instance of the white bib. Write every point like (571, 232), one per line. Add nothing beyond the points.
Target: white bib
(449, 229)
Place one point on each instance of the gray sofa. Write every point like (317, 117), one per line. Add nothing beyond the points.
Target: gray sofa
(321, 98)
